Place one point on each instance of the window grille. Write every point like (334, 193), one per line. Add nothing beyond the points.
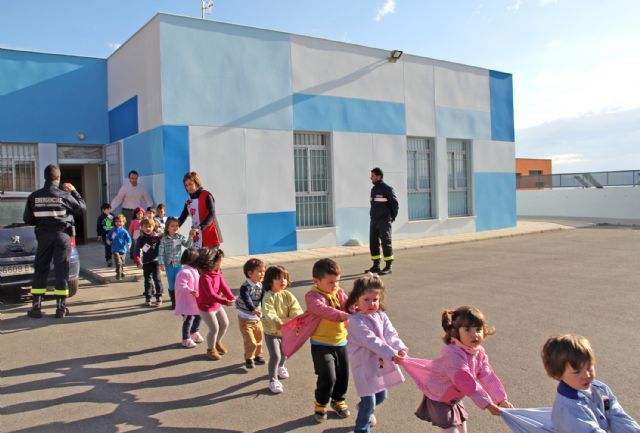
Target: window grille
(311, 163)
(419, 180)
(458, 170)
(18, 167)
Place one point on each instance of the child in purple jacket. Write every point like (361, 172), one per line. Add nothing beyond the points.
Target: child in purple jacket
(374, 348)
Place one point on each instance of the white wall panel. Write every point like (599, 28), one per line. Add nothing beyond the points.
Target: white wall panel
(462, 87)
(352, 164)
(134, 69)
(154, 184)
(428, 228)
(322, 67)
(316, 238)
(270, 171)
(235, 241)
(47, 154)
(419, 95)
(390, 153)
(494, 156)
(218, 155)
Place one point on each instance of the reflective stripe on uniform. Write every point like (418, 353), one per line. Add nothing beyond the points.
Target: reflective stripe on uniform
(375, 257)
(61, 292)
(50, 213)
(388, 259)
(35, 291)
(381, 199)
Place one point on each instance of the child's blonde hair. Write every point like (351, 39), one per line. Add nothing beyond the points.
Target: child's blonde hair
(561, 350)
(462, 317)
(362, 285)
(147, 221)
(121, 217)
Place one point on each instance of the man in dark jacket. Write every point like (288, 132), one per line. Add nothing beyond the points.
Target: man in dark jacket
(51, 210)
(384, 209)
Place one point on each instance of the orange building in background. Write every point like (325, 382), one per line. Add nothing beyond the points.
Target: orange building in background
(533, 167)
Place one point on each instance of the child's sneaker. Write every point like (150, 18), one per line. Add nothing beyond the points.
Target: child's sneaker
(248, 363)
(148, 303)
(283, 373)
(213, 354)
(197, 338)
(320, 412)
(189, 343)
(118, 277)
(341, 408)
(109, 263)
(275, 386)
(259, 360)
(221, 349)
(159, 304)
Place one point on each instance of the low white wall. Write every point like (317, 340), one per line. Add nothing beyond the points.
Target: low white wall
(615, 202)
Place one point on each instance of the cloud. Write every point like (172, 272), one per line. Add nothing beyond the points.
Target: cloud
(389, 7)
(567, 159)
(554, 44)
(516, 6)
(114, 45)
(548, 2)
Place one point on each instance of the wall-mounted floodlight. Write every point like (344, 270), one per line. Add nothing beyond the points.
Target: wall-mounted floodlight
(81, 136)
(395, 55)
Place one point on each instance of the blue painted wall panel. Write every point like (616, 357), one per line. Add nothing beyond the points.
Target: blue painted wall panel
(272, 232)
(332, 113)
(175, 141)
(217, 74)
(50, 98)
(495, 200)
(352, 223)
(123, 120)
(144, 153)
(501, 86)
(454, 123)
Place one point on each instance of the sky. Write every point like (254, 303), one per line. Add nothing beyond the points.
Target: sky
(575, 63)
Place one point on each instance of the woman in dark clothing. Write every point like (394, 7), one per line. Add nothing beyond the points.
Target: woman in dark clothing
(201, 208)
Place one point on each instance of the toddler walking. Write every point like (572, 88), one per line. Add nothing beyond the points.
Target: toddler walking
(213, 292)
(249, 312)
(186, 290)
(374, 348)
(170, 253)
(105, 224)
(583, 404)
(134, 226)
(462, 369)
(279, 305)
(146, 257)
(120, 242)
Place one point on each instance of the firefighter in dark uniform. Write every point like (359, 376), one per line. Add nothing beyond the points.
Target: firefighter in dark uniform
(384, 209)
(50, 209)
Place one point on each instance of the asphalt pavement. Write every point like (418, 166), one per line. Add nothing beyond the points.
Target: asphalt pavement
(115, 365)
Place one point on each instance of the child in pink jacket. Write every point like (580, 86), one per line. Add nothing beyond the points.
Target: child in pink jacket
(186, 291)
(461, 370)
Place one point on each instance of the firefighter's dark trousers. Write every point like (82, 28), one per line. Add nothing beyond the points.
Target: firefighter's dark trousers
(52, 246)
(380, 233)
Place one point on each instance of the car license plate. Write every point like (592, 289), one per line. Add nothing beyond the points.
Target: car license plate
(9, 270)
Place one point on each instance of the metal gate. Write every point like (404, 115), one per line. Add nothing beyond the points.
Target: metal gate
(18, 167)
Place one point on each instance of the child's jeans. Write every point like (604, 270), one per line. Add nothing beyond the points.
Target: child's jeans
(151, 274)
(172, 271)
(251, 331)
(276, 358)
(107, 249)
(190, 325)
(119, 259)
(331, 364)
(365, 410)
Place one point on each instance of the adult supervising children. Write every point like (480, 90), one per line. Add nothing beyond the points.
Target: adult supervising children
(51, 210)
(131, 195)
(384, 209)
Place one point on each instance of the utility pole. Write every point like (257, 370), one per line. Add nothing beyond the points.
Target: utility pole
(207, 5)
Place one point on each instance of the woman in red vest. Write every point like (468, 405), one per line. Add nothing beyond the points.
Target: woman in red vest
(201, 208)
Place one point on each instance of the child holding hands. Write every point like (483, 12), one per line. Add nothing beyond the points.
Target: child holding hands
(279, 305)
(374, 348)
(462, 369)
(213, 292)
(249, 312)
(170, 253)
(186, 290)
(583, 404)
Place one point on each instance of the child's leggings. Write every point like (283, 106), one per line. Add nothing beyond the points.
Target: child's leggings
(276, 358)
(218, 323)
(190, 325)
(365, 410)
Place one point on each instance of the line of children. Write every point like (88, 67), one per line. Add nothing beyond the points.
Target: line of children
(248, 306)
(186, 290)
(146, 257)
(279, 305)
(120, 242)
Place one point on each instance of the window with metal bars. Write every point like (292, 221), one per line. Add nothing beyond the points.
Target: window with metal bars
(18, 167)
(458, 170)
(419, 180)
(313, 196)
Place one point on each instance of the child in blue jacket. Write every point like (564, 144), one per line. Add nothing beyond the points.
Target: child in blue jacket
(120, 241)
